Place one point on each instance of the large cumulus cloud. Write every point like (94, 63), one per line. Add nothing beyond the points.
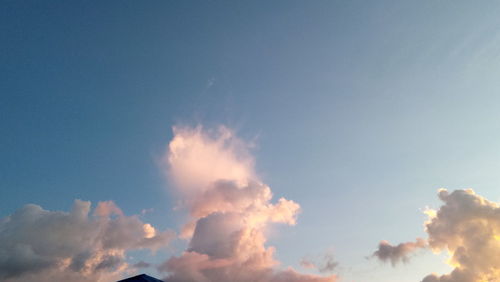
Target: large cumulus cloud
(467, 226)
(42, 245)
(229, 209)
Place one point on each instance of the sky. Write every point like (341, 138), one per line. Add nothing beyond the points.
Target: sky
(151, 126)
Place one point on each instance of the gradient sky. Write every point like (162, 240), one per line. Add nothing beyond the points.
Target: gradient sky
(360, 110)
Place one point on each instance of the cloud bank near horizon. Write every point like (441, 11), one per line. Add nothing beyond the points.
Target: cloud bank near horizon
(42, 245)
(229, 212)
(467, 226)
(229, 209)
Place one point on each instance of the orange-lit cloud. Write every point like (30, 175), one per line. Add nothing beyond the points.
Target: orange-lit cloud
(467, 226)
(41, 245)
(229, 207)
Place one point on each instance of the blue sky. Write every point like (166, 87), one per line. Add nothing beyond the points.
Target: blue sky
(360, 110)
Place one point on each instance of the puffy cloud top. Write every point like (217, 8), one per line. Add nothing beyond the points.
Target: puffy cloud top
(197, 158)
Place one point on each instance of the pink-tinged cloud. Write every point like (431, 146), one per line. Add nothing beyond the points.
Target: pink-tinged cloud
(197, 158)
(230, 209)
(107, 208)
(325, 264)
(41, 245)
(467, 227)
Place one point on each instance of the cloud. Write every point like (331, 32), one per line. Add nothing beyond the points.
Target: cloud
(467, 226)
(326, 264)
(230, 209)
(107, 208)
(141, 264)
(198, 158)
(399, 253)
(42, 245)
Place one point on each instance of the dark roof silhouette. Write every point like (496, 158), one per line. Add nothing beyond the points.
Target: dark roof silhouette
(141, 278)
